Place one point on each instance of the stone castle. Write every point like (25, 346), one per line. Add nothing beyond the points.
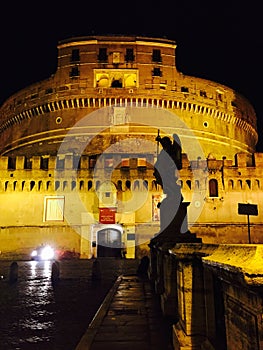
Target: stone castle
(78, 151)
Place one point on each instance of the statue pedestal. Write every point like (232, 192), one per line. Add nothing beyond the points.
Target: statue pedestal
(174, 225)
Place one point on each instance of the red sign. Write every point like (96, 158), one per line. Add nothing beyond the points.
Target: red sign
(107, 215)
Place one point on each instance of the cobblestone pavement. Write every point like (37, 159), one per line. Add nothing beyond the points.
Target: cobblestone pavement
(38, 315)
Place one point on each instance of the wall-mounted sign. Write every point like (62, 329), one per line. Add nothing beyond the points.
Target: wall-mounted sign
(107, 215)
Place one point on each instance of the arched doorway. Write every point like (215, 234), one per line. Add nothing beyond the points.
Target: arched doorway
(109, 243)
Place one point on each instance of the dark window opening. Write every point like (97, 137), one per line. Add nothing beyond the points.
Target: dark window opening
(220, 96)
(75, 55)
(44, 163)
(116, 83)
(119, 185)
(102, 56)
(11, 163)
(76, 162)
(157, 72)
(48, 91)
(28, 163)
(156, 55)
(184, 89)
(92, 162)
(129, 57)
(74, 72)
(60, 163)
(203, 93)
(213, 188)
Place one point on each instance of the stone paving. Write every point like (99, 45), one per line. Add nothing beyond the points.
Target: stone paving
(130, 317)
(37, 315)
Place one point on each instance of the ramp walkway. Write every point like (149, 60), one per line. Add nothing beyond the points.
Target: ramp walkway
(130, 318)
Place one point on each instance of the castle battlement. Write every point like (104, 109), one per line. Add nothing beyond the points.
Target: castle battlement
(83, 173)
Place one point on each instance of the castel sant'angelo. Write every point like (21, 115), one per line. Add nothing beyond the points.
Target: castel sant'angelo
(78, 151)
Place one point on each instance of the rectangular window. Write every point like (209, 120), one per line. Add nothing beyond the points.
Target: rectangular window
(74, 72)
(156, 72)
(184, 89)
(130, 236)
(156, 55)
(54, 208)
(108, 162)
(75, 55)
(60, 163)
(129, 57)
(92, 162)
(102, 56)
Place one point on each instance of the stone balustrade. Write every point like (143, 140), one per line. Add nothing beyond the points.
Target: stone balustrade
(212, 292)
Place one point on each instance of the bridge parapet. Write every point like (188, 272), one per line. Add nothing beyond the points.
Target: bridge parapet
(212, 292)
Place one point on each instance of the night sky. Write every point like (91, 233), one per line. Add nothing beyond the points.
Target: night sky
(217, 40)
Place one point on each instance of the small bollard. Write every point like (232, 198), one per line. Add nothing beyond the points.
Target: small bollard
(13, 272)
(55, 271)
(96, 271)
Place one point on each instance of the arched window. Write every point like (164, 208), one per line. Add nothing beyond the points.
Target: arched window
(32, 185)
(40, 185)
(248, 183)
(48, 185)
(89, 185)
(230, 184)
(136, 185)
(119, 185)
(213, 188)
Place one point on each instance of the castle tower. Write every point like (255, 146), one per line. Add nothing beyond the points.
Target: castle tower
(77, 150)
(107, 71)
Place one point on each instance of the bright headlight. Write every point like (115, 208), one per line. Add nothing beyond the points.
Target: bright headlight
(34, 253)
(47, 253)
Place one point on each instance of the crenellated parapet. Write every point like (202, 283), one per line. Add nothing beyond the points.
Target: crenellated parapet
(81, 173)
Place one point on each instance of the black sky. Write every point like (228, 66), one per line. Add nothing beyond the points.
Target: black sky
(218, 40)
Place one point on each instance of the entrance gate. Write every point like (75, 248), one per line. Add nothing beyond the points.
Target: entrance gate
(109, 243)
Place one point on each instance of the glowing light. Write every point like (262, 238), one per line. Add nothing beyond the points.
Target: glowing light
(47, 253)
(34, 253)
(43, 253)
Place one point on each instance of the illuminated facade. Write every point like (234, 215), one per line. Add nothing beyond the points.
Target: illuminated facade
(77, 150)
